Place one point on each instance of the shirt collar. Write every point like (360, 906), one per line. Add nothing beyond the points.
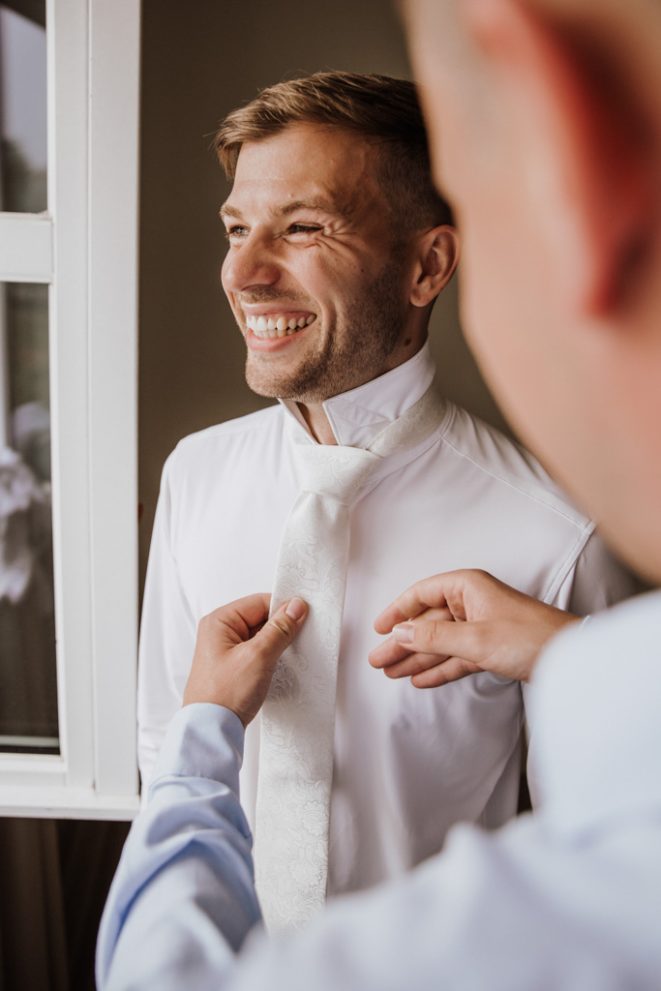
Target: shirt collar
(357, 416)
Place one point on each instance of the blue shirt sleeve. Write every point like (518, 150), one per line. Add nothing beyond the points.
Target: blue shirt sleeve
(567, 898)
(185, 879)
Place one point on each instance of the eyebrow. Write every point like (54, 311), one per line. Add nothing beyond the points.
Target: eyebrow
(227, 210)
(230, 211)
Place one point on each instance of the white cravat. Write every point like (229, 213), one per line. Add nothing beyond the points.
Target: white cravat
(297, 720)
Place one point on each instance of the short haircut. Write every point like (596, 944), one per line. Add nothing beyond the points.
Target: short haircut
(381, 109)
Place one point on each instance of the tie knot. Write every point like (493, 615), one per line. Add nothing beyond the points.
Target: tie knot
(340, 472)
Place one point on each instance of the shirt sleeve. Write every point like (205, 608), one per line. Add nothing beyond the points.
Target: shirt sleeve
(596, 582)
(183, 897)
(167, 635)
(494, 910)
(567, 898)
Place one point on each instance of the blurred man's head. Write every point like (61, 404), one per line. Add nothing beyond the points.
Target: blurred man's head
(545, 132)
(338, 240)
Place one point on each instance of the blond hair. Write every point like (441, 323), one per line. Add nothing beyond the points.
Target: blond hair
(382, 110)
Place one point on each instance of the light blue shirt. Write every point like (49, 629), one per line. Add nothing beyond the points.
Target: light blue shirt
(569, 898)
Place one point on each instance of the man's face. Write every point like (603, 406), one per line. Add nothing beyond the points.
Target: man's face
(312, 273)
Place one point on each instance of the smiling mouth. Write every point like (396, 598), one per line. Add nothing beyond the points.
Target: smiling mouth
(278, 324)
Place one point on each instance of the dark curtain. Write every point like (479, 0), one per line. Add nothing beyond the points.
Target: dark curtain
(54, 878)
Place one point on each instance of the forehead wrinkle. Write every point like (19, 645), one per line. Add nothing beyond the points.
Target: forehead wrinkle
(344, 209)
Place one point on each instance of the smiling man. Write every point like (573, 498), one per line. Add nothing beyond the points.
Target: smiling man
(338, 247)
(324, 304)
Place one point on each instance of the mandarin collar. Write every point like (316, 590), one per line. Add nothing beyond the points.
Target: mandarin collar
(357, 416)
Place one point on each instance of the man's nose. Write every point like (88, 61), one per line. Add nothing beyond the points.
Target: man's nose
(252, 263)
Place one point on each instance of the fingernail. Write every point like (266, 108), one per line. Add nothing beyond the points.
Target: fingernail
(403, 632)
(296, 609)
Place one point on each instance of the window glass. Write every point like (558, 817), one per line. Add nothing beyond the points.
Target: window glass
(28, 689)
(23, 139)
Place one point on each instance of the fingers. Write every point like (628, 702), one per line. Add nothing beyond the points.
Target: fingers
(444, 639)
(414, 664)
(453, 669)
(448, 590)
(437, 651)
(494, 628)
(236, 652)
(278, 632)
(424, 670)
(425, 594)
(237, 620)
(388, 654)
(391, 651)
(253, 609)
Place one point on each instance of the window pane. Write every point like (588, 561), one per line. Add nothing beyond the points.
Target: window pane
(23, 106)
(28, 689)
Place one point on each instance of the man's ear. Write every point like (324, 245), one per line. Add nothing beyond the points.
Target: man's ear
(436, 259)
(588, 142)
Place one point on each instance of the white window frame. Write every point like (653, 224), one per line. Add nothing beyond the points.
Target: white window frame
(85, 248)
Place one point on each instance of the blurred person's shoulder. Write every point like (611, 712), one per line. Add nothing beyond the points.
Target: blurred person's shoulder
(628, 634)
(596, 699)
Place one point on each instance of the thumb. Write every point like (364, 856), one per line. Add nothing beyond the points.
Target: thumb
(279, 631)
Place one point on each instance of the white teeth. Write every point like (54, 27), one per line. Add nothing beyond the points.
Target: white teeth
(271, 327)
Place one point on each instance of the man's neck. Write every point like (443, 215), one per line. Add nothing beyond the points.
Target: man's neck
(323, 425)
(317, 422)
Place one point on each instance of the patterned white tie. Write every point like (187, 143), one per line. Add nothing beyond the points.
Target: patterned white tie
(298, 717)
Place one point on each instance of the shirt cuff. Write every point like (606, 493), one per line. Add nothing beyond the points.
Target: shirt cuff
(203, 740)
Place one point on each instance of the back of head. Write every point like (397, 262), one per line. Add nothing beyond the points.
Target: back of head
(545, 123)
(380, 109)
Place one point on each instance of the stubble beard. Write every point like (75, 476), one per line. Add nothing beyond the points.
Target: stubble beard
(376, 321)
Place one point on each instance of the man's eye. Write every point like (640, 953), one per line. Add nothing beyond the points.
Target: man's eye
(304, 228)
(235, 232)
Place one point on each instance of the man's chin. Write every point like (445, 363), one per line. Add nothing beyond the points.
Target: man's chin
(298, 388)
(271, 388)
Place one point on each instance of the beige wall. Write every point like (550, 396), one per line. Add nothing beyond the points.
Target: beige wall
(200, 59)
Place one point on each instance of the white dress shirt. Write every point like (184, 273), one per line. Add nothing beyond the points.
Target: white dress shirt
(408, 764)
(568, 898)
